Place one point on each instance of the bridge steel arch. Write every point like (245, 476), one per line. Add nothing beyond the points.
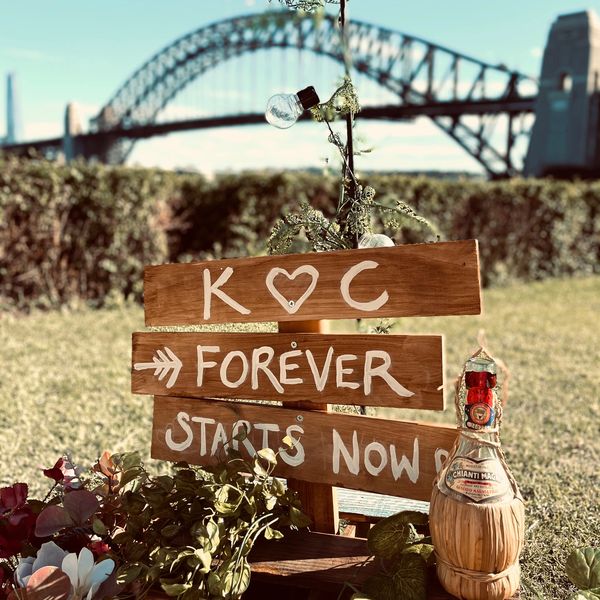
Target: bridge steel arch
(406, 65)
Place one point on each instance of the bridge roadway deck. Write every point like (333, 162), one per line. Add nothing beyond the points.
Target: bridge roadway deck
(515, 105)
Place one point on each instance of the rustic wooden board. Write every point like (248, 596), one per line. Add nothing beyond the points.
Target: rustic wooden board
(315, 561)
(407, 280)
(320, 368)
(364, 453)
(324, 562)
(319, 500)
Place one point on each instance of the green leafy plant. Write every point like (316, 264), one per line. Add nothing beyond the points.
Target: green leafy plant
(402, 546)
(126, 530)
(583, 569)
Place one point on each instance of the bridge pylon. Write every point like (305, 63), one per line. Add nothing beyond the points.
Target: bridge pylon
(565, 139)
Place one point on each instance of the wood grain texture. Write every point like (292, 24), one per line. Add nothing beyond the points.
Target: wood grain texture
(319, 500)
(326, 562)
(416, 364)
(420, 280)
(319, 561)
(397, 450)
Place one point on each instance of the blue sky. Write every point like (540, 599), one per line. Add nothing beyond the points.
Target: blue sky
(69, 50)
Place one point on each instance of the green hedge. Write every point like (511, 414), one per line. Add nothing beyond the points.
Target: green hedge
(78, 231)
(85, 231)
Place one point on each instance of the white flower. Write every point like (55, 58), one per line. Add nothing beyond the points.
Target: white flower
(85, 576)
(49, 555)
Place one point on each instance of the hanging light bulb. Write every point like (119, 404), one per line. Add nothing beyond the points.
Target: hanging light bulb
(375, 240)
(283, 110)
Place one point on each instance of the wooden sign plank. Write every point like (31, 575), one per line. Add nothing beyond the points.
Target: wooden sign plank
(364, 453)
(319, 501)
(408, 280)
(372, 370)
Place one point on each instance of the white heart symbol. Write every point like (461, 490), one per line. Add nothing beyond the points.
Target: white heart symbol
(290, 305)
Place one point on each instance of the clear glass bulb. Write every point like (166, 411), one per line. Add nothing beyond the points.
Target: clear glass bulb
(283, 110)
(375, 240)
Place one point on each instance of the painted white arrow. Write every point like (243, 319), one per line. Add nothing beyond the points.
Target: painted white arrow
(161, 364)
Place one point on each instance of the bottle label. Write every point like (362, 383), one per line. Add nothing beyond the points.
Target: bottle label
(480, 415)
(478, 480)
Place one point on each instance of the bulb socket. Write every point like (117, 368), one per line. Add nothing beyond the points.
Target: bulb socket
(308, 97)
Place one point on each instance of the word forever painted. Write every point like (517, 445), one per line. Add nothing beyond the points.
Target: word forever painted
(238, 367)
(215, 289)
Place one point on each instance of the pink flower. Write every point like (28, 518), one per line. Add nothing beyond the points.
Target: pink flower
(99, 548)
(55, 472)
(12, 497)
(17, 520)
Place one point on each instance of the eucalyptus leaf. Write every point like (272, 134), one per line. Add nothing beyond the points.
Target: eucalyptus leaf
(583, 568)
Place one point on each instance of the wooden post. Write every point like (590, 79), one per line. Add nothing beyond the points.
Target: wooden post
(319, 501)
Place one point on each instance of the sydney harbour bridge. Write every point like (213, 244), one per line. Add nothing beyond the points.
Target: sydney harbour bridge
(511, 123)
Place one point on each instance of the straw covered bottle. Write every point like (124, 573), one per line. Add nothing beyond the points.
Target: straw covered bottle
(476, 514)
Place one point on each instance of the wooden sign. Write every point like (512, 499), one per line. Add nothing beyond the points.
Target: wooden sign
(408, 280)
(374, 370)
(376, 455)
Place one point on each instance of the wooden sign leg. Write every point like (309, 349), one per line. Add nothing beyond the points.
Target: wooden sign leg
(319, 501)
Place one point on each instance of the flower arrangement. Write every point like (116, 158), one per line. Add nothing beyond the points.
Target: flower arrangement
(116, 531)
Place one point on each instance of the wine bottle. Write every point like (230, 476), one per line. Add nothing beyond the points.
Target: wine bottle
(476, 514)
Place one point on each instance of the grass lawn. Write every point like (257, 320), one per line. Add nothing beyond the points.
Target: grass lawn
(65, 386)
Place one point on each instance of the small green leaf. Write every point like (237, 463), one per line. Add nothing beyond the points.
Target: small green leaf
(298, 518)
(215, 585)
(409, 576)
(241, 435)
(583, 568)
(425, 551)
(288, 442)
(258, 469)
(174, 589)
(170, 531)
(165, 482)
(278, 487)
(205, 559)
(380, 587)
(99, 527)
(268, 455)
(272, 534)
(129, 573)
(130, 460)
(586, 595)
(130, 475)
